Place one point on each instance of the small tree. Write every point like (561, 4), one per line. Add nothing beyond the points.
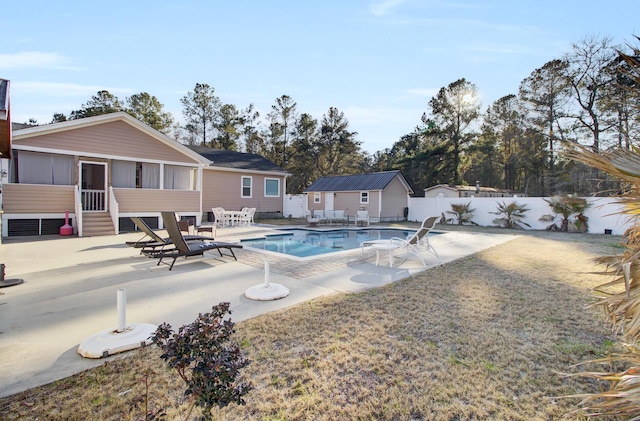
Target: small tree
(206, 359)
(511, 215)
(568, 214)
(462, 213)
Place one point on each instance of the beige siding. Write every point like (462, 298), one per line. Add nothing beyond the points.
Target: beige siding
(374, 203)
(224, 189)
(394, 200)
(348, 202)
(115, 138)
(152, 200)
(37, 198)
(312, 205)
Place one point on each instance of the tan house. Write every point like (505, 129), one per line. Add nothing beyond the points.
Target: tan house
(385, 195)
(445, 190)
(104, 169)
(234, 180)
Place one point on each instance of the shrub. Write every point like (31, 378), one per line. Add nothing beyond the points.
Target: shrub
(205, 357)
(568, 214)
(462, 214)
(511, 215)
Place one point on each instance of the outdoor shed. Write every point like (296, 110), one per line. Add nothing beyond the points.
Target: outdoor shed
(385, 195)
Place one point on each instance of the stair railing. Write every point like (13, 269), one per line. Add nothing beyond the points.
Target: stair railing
(114, 210)
(78, 209)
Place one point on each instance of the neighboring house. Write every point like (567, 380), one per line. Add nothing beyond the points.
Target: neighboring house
(384, 194)
(102, 170)
(445, 190)
(234, 180)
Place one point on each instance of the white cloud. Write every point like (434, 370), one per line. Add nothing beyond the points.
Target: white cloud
(30, 59)
(63, 89)
(382, 8)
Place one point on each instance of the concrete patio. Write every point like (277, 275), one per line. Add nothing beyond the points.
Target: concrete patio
(70, 286)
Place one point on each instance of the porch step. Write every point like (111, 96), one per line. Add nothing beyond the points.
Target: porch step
(97, 223)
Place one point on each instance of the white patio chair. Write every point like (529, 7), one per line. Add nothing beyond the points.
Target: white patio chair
(221, 220)
(252, 213)
(244, 218)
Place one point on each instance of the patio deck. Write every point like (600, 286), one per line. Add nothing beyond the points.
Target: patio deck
(70, 286)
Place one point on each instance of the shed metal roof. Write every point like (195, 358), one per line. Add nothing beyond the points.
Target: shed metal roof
(357, 182)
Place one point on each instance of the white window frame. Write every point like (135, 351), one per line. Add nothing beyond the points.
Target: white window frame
(242, 187)
(316, 197)
(265, 187)
(364, 197)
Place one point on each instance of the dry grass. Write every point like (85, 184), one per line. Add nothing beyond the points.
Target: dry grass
(481, 338)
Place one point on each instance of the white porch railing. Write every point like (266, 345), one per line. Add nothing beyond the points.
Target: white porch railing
(93, 200)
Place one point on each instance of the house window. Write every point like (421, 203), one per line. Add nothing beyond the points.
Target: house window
(246, 186)
(271, 187)
(364, 197)
(316, 197)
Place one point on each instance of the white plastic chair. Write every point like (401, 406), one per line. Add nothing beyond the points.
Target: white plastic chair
(362, 216)
(221, 220)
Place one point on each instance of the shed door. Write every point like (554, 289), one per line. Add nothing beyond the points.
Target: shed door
(328, 200)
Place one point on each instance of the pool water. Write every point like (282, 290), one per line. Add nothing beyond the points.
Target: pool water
(306, 243)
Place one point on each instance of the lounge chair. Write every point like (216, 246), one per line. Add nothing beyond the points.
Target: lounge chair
(362, 216)
(154, 241)
(185, 248)
(313, 221)
(337, 216)
(416, 244)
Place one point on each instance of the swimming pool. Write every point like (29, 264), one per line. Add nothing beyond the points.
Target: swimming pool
(307, 243)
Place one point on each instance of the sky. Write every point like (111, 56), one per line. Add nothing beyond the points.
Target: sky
(377, 61)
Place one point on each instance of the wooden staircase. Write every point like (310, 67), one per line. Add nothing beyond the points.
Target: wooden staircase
(97, 223)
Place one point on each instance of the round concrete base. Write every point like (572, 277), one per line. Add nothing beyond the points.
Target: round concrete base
(264, 292)
(110, 342)
(10, 282)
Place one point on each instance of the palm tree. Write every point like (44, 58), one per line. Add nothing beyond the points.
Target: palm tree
(621, 300)
(511, 215)
(620, 297)
(568, 213)
(462, 214)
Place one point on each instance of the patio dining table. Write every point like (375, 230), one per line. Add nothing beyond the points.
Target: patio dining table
(232, 217)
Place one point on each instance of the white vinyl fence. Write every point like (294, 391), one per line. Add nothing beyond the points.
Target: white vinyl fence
(603, 213)
(295, 205)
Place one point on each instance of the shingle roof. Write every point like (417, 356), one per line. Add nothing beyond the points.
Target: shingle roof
(237, 160)
(357, 182)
